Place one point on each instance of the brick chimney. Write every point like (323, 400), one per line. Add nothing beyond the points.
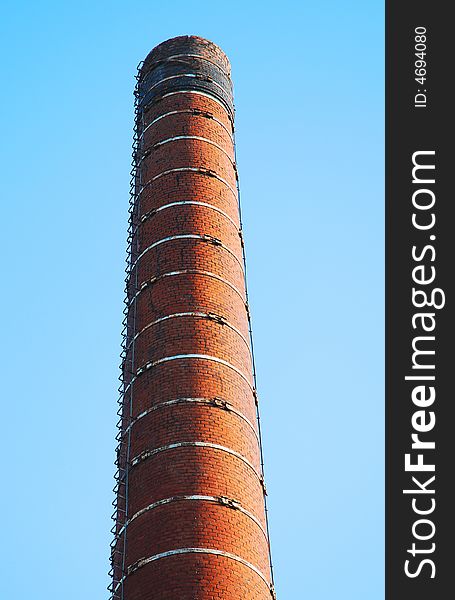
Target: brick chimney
(190, 519)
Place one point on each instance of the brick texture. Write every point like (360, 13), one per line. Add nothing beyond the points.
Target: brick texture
(190, 515)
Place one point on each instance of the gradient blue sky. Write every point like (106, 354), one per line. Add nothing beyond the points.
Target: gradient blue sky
(309, 95)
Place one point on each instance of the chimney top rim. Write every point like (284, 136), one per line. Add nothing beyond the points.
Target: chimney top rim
(158, 53)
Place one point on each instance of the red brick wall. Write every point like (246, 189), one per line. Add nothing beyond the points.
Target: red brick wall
(191, 490)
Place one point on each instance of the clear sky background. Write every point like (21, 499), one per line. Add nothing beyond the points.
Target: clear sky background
(308, 79)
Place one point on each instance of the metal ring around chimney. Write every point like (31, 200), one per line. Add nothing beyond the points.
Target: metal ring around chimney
(145, 284)
(189, 236)
(152, 212)
(210, 402)
(201, 170)
(192, 111)
(221, 500)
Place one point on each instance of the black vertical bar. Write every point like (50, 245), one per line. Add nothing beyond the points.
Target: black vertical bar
(419, 301)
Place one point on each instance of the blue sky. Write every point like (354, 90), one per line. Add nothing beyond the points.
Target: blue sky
(308, 82)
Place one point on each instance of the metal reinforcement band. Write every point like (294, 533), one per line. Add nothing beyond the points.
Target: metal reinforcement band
(189, 236)
(208, 402)
(197, 315)
(191, 111)
(149, 282)
(190, 169)
(221, 500)
(149, 453)
(144, 561)
(154, 211)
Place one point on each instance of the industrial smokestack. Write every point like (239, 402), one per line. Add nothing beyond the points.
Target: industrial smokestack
(190, 519)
